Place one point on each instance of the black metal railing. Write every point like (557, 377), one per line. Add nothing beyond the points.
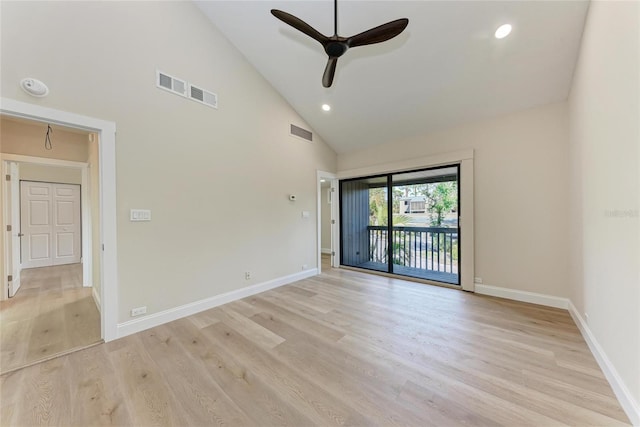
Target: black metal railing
(425, 248)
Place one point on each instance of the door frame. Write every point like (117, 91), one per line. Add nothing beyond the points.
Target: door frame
(11, 213)
(106, 131)
(466, 203)
(335, 241)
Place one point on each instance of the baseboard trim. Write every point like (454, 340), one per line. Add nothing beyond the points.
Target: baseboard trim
(325, 251)
(96, 298)
(136, 325)
(523, 296)
(628, 403)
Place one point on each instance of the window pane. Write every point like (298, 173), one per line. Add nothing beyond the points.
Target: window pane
(425, 238)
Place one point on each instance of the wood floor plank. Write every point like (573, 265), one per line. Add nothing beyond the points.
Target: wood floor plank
(51, 314)
(148, 395)
(96, 400)
(199, 400)
(45, 395)
(248, 328)
(322, 407)
(339, 349)
(254, 396)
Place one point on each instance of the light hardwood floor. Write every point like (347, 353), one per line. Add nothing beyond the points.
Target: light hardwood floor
(342, 348)
(50, 314)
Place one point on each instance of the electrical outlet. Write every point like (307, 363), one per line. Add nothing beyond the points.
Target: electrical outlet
(138, 311)
(304, 266)
(477, 280)
(247, 275)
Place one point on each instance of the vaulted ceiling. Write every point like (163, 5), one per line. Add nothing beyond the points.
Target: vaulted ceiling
(445, 69)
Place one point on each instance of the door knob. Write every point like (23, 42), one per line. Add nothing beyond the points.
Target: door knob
(20, 234)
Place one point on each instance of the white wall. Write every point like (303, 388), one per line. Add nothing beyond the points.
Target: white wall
(27, 138)
(36, 172)
(216, 181)
(520, 192)
(604, 108)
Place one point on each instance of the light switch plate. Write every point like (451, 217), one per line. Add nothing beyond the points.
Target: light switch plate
(140, 215)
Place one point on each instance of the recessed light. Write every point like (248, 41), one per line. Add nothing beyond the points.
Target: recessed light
(326, 107)
(503, 31)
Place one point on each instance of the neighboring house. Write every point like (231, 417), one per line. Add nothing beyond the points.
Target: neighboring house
(410, 205)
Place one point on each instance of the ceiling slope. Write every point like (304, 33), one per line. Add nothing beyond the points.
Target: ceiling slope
(445, 69)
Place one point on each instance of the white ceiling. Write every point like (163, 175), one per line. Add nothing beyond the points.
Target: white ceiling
(445, 69)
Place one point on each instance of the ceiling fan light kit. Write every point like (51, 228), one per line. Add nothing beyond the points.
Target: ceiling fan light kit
(335, 46)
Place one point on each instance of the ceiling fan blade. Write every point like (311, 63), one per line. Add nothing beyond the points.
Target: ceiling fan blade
(379, 34)
(329, 71)
(299, 25)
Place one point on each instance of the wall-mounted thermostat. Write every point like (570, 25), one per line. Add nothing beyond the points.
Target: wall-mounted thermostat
(292, 197)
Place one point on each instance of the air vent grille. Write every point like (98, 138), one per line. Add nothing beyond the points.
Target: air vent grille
(170, 83)
(203, 96)
(165, 81)
(197, 93)
(183, 88)
(301, 133)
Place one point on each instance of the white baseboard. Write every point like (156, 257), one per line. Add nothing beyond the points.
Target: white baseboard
(524, 296)
(96, 299)
(628, 403)
(325, 251)
(140, 324)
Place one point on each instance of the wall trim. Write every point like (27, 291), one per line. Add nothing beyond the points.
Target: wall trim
(628, 403)
(140, 324)
(96, 298)
(523, 296)
(463, 158)
(334, 227)
(434, 160)
(107, 184)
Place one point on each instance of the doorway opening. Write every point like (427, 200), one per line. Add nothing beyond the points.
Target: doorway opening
(327, 221)
(49, 306)
(405, 224)
(104, 289)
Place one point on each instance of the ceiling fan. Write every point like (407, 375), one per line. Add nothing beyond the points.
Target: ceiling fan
(335, 46)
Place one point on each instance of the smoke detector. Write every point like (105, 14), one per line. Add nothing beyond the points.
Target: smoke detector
(34, 87)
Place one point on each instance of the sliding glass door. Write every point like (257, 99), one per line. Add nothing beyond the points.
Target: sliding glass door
(404, 223)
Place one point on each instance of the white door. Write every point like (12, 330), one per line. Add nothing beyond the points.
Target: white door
(50, 224)
(13, 213)
(66, 224)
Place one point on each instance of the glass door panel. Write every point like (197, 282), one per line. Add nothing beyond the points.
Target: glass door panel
(425, 232)
(404, 223)
(364, 223)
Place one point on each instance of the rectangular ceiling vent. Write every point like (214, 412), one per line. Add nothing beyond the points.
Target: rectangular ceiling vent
(170, 83)
(203, 96)
(298, 132)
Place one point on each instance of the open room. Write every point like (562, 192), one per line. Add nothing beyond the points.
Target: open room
(314, 213)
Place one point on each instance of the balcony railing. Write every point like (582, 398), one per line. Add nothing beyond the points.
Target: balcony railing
(430, 249)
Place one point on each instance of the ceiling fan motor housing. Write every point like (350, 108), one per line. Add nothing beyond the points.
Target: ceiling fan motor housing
(336, 48)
